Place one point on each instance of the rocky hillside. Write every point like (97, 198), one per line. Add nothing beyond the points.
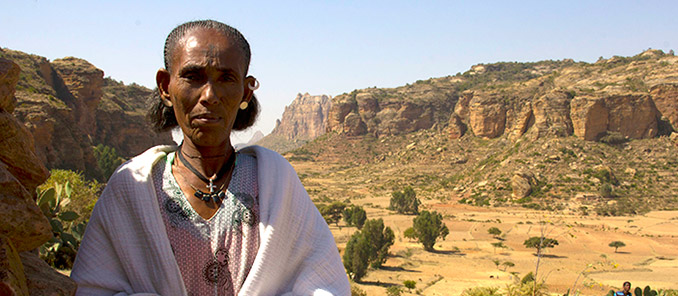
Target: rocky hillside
(303, 120)
(556, 135)
(69, 107)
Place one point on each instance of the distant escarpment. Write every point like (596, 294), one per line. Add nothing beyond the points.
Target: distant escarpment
(632, 97)
(69, 107)
(303, 120)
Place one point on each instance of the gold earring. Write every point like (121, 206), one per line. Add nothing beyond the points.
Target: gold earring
(244, 105)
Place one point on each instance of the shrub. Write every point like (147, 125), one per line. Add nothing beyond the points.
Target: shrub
(84, 193)
(481, 291)
(494, 231)
(428, 227)
(332, 212)
(410, 284)
(107, 159)
(393, 291)
(409, 233)
(60, 251)
(355, 216)
(405, 202)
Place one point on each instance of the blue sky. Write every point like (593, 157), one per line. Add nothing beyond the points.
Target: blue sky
(332, 47)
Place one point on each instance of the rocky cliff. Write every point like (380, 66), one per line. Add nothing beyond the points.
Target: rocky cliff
(23, 227)
(636, 97)
(303, 120)
(69, 107)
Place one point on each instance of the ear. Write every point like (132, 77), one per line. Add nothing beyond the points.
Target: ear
(247, 94)
(162, 79)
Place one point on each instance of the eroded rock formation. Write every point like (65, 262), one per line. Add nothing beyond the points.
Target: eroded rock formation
(23, 227)
(69, 107)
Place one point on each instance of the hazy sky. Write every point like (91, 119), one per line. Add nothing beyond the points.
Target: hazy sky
(332, 47)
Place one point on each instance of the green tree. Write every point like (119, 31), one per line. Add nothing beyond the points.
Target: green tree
(107, 159)
(405, 202)
(428, 227)
(332, 212)
(540, 242)
(410, 233)
(355, 216)
(380, 238)
(616, 245)
(356, 256)
(494, 231)
(366, 247)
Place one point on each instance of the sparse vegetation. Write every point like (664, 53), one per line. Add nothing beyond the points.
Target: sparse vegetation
(429, 227)
(405, 202)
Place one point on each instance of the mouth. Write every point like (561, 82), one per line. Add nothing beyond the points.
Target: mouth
(206, 118)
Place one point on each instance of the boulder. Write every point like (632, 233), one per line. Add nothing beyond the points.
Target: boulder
(522, 183)
(21, 220)
(12, 276)
(42, 280)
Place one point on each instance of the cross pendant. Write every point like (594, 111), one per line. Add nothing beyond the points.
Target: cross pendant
(211, 186)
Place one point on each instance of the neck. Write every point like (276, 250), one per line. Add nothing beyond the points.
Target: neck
(208, 160)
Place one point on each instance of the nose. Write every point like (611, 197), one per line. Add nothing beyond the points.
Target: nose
(208, 95)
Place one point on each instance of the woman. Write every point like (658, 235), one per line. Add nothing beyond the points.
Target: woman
(202, 218)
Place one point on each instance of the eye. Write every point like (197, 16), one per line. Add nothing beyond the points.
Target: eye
(227, 77)
(192, 76)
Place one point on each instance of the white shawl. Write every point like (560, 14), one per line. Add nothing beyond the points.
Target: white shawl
(126, 250)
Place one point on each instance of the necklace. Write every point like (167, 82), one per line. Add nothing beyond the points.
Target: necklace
(217, 195)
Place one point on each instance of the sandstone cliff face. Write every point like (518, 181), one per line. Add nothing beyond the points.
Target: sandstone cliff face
(628, 95)
(635, 96)
(23, 227)
(401, 110)
(303, 120)
(69, 107)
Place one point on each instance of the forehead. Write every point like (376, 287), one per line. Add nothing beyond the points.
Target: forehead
(206, 46)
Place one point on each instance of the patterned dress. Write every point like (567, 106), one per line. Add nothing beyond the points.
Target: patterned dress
(216, 254)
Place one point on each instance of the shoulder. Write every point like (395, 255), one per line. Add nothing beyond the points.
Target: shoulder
(140, 166)
(267, 158)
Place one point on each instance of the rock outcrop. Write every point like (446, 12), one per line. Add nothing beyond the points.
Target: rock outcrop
(623, 101)
(380, 112)
(23, 227)
(303, 120)
(69, 107)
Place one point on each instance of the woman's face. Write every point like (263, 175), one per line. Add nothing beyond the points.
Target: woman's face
(205, 86)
